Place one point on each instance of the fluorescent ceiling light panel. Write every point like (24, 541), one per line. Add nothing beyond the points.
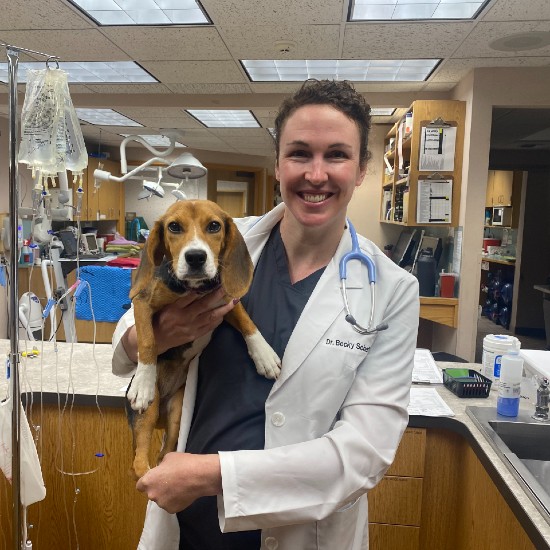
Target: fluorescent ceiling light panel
(93, 72)
(382, 111)
(105, 117)
(358, 70)
(143, 12)
(225, 118)
(398, 10)
(156, 140)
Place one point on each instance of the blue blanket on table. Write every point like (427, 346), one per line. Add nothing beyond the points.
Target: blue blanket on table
(109, 290)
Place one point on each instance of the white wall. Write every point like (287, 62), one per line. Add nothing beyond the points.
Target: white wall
(484, 89)
(153, 208)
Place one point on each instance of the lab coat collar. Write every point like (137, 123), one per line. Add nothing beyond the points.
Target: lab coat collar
(321, 311)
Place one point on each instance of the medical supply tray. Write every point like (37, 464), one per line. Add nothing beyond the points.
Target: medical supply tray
(466, 382)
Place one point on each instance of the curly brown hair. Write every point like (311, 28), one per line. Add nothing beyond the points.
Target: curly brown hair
(339, 94)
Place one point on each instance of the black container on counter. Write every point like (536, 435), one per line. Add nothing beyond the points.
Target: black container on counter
(426, 273)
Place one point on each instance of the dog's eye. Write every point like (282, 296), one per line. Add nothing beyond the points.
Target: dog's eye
(214, 227)
(174, 227)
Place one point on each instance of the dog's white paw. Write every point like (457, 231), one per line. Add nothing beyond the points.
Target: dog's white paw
(266, 360)
(142, 389)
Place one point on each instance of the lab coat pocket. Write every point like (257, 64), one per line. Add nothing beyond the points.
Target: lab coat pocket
(343, 528)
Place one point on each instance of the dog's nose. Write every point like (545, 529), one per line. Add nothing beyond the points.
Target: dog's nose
(195, 258)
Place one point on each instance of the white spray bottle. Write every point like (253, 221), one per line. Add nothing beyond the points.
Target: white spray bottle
(511, 371)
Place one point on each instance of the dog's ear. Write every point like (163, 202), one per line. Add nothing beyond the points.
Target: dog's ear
(155, 247)
(236, 265)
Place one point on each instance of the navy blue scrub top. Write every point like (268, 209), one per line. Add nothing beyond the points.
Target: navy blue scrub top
(229, 411)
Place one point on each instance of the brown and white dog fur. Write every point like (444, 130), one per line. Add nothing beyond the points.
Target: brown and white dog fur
(196, 246)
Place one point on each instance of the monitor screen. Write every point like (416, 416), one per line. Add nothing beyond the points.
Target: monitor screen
(91, 242)
(402, 251)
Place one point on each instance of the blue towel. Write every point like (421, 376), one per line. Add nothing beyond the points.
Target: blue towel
(110, 289)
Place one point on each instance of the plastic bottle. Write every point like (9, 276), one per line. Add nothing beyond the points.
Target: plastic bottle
(511, 371)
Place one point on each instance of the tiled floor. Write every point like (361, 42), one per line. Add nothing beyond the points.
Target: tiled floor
(485, 326)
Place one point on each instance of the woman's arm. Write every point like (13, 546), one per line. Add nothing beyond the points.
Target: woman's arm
(180, 322)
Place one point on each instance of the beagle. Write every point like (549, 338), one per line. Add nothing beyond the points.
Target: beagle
(195, 246)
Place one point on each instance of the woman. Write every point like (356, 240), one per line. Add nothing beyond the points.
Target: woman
(287, 464)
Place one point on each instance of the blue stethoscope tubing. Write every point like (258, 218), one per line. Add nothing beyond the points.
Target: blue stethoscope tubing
(356, 254)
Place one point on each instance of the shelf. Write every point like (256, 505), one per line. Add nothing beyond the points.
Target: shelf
(440, 310)
(407, 156)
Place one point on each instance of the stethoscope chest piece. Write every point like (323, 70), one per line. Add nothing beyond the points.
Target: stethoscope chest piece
(357, 254)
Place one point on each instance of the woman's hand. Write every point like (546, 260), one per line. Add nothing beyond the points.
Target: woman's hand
(180, 479)
(183, 321)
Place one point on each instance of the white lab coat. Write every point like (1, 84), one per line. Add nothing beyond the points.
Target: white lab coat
(334, 418)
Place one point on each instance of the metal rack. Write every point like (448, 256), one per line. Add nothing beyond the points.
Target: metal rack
(12, 53)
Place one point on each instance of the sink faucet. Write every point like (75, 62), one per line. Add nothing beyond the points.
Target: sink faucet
(543, 397)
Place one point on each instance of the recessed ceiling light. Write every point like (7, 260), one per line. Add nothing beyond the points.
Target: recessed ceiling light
(382, 111)
(92, 72)
(391, 10)
(105, 117)
(155, 140)
(521, 42)
(225, 118)
(143, 12)
(357, 70)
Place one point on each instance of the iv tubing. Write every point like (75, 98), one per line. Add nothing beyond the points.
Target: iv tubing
(13, 61)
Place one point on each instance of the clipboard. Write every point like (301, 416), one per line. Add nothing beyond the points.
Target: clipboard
(437, 146)
(434, 203)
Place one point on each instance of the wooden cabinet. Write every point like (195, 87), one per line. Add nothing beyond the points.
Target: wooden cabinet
(105, 202)
(438, 495)
(503, 189)
(402, 161)
(500, 185)
(395, 504)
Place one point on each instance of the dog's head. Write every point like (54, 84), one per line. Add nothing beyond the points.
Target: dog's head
(201, 243)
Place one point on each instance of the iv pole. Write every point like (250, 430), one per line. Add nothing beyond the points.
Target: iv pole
(13, 61)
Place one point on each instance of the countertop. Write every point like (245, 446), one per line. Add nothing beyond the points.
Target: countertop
(85, 371)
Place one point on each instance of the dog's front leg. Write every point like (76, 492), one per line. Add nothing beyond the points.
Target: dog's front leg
(142, 389)
(266, 360)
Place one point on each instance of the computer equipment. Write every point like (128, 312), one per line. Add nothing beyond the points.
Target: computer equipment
(71, 249)
(402, 251)
(90, 245)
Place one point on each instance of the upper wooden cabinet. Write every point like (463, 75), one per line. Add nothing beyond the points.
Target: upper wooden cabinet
(402, 165)
(105, 202)
(501, 187)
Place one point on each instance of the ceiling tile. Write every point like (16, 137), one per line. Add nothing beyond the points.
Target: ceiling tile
(85, 45)
(209, 88)
(79, 89)
(477, 43)
(454, 70)
(275, 87)
(153, 88)
(181, 121)
(249, 133)
(169, 43)
(40, 14)
(180, 72)
(258, 42)
(248, 13)
(522, 10)
(403, 41)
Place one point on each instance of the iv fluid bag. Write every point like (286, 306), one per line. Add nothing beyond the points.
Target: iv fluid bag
(51, 139)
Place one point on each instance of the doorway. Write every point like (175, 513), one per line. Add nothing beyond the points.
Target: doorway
(520, 141)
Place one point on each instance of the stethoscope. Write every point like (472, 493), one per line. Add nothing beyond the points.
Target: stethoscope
(356, 254)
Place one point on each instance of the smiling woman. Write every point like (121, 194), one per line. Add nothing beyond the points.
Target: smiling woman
(242, 477)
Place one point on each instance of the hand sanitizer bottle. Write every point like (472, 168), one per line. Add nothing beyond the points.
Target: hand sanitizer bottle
(511, 371)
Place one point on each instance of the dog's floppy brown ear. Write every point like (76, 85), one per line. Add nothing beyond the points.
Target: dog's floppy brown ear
(236, 265)
(155, 247)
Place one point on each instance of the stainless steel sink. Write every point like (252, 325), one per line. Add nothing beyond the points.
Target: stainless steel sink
(524, 446)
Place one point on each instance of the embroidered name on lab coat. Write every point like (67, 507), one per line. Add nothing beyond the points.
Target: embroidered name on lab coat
(346, 345)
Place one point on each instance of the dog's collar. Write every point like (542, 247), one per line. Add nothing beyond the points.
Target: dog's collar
(166, 274)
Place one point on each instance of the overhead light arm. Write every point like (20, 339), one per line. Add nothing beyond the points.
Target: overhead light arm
(103, 175)
(139, 139)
